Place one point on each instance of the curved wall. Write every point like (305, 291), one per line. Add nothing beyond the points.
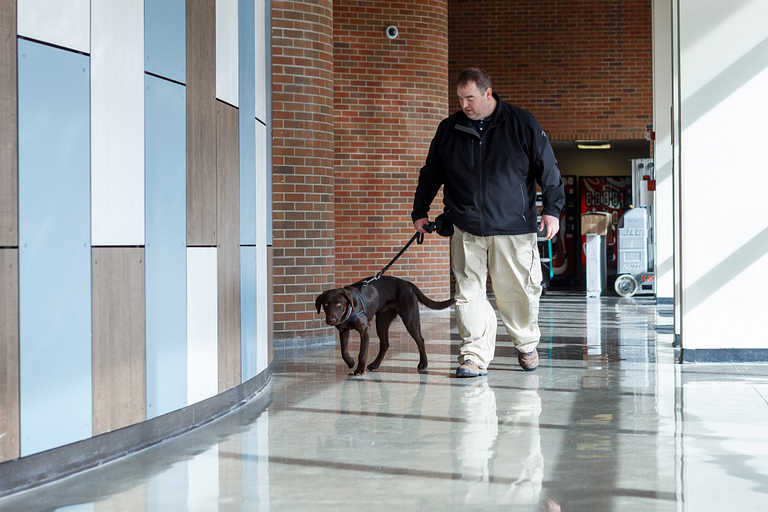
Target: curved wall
(134, 283)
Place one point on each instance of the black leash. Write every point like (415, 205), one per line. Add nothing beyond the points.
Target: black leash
(417, 237)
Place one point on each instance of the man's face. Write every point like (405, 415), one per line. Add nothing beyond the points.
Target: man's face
(476, 104)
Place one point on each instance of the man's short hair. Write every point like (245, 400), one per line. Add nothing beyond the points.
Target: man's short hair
(477, 75)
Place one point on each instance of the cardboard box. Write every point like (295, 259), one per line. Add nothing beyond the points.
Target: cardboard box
(595, 223)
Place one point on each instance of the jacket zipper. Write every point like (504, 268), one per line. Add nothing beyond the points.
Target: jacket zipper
(482, 186)
(525, 208)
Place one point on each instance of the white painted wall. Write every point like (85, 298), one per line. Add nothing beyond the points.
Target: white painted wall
(724, 216)
(202, 324)
(662, 149)
(117, 122)
(66, 24)
(261, 60)
(227, 62)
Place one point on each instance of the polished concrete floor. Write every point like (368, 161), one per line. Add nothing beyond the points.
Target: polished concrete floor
(608, 422)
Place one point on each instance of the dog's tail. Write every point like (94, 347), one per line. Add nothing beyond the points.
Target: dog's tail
(431, 304)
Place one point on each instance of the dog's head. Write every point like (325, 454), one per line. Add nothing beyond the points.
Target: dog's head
(336, 304)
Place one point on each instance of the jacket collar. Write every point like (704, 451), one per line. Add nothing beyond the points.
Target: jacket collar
(465, 124)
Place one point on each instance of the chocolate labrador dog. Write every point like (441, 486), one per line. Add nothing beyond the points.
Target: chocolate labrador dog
(354, 306)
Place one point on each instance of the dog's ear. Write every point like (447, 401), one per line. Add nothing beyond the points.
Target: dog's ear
(319, 301)
(348, 295)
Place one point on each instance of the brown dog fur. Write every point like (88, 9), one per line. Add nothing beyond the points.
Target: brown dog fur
(384, 298)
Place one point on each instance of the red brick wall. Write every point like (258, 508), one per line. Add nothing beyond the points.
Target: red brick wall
(583, 67)
(389, 96)
(302, 129)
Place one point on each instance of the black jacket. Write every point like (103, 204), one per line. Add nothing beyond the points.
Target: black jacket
(490, 182)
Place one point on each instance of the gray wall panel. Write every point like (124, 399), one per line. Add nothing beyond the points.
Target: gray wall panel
(9, 354)
(201, 123)
(229, 247)
(119, 373)
(9, 205)
(165, 39)
(54, 247)
(166, 250)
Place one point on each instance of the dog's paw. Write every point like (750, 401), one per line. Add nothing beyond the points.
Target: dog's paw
(373, 367)
(350, 362)
(359, 372)
(422, 366)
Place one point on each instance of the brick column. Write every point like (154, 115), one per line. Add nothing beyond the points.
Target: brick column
(389, 97)
(302, 103)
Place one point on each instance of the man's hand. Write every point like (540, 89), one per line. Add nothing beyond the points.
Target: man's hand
(420, 223)
(549, 224)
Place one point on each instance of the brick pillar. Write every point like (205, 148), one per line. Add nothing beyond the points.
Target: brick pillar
(389, 97)
(302, 103)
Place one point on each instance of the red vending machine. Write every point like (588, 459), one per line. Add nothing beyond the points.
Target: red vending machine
(565, 244)
(612, 194)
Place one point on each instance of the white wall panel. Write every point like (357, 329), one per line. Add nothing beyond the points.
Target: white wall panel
(227, 66)
(262, 221)
(723, 78)
(66, 24)
(261, 61)
(202, 324)
(117, 110)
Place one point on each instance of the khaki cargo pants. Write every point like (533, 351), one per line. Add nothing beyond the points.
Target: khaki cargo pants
(515, 270)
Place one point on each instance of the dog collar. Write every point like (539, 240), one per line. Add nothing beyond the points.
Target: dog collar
(355, 315)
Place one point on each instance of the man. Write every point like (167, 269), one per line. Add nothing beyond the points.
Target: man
(489, 157)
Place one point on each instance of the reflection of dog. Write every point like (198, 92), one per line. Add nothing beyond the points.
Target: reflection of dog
(353, 307)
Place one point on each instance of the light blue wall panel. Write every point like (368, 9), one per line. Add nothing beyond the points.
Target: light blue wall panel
(248, 331)
(166, 249)
(54, 247)
(247, 124)
(165, 35)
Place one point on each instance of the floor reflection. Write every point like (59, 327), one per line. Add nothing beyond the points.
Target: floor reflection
(607, 422)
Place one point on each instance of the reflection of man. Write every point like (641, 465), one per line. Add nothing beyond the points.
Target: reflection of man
(489, 157)
(509, 443)
(520, 441)
(477, 439)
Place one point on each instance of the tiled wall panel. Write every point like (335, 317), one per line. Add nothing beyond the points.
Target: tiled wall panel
(201, 123)
(262, 77)
(55, 249)
(263, 221)
(202, 324)
(228, 181)
(9, 354)
(166, 253)
(8, 127)
(66, 24)
(247, 125)
(165, 39)
(248, 326)
(117, 116)
(227, 51)
(119, 357)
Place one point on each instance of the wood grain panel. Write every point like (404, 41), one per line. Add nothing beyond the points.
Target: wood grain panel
(9, 354)
(228, 172)
(119, 355)
(201, 123)
(9, 206)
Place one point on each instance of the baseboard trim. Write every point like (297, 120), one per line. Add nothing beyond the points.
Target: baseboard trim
(724, 355)
(45, 467)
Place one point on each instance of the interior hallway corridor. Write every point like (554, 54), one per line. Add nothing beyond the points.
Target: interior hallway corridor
(607, 422)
